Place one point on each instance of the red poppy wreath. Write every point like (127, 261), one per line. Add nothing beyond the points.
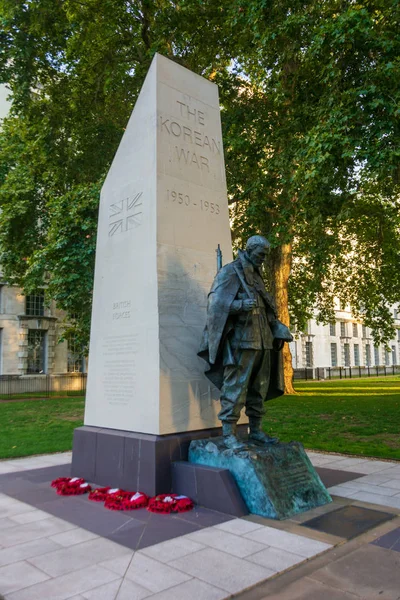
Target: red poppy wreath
(137, 500)
(70, 486)
(167, 503)
(115, 499)
(99, 494)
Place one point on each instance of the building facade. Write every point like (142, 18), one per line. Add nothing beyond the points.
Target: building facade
(29, 334)
(344, 343)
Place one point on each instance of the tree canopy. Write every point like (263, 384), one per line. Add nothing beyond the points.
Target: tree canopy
(310, 101)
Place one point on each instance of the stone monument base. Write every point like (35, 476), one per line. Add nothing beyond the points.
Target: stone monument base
(130, 460)
(276, 481)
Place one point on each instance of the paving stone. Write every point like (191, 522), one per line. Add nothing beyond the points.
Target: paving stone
(223, 570)
(204, 517)
(371, 467)
(348, 521)
(30, 517)
(19, 575)
(275, 559)
(330, 476)
(6, 523)
(78, 556)
(72, 537)
(238, 526)
(342, 490)
(153, 575)
(315, 512)
(66, 586)
(27, 550)
(121, 590)
(190, 590)
(172, 549)
(372, 489)
(391, 501)
(389, 540)
(31, 531)
(226, 542)
(375, 478)
(118, 565)
(130, 590)
(368, 572)
(307, 589)
(11, 507)
(391, 483)
(282, 539)
(348, 462)
(155, 533)
(6, 467)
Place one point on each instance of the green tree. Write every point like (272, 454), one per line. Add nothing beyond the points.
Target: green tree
(312, 139)
(310, 99)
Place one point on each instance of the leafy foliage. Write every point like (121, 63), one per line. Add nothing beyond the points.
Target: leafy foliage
(310, 98)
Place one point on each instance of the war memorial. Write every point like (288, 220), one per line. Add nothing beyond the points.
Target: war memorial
(152, 415)
(185, 355)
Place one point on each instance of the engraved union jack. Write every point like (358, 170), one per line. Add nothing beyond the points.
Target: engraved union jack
(125, 215)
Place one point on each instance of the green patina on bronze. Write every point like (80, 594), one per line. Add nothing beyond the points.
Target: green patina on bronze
(276, 481)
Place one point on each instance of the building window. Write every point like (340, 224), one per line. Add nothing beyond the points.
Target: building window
(334, 355)
(309, 354)
(35, 305)
(355, 330)
(396, 313)
(368, 355)
(356, 355)
(75, 358)
(376, 355)
(364, 331)
(346, 355)
(394, 357)
(398, 335)
(342, 329)
(387, 357)
(36, 351)
(332, 328)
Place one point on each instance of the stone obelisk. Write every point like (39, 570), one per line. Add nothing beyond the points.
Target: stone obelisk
(163, 212)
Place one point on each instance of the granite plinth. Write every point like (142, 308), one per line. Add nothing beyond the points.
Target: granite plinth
(276, 481)
(213, 488)
(131, 460)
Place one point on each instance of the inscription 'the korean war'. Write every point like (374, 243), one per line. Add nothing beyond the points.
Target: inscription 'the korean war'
(192, 134)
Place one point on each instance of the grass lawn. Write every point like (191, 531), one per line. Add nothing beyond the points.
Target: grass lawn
(353, 416)
(39, 426)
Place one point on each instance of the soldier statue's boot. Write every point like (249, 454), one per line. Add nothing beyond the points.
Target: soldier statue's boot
(230, 439)
(257, 436)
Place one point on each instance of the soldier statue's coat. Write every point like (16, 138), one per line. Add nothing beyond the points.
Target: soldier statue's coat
(220, 331)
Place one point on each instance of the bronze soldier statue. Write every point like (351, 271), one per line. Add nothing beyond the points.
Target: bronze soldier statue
(242, 342)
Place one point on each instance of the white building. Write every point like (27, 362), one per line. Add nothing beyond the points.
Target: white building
(346, 343)
(29, 334)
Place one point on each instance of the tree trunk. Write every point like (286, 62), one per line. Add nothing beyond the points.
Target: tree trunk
(281, 262)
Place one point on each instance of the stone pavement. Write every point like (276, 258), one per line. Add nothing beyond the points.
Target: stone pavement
(205, 555)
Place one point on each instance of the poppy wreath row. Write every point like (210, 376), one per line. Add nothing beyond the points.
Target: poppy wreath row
(117, 499)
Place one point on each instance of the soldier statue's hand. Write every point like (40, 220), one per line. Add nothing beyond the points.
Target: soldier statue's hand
(249, 304)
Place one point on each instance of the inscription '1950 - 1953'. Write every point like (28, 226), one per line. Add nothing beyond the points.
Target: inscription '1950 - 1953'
(185, 200)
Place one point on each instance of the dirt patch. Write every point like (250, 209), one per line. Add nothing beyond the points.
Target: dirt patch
(325, 417)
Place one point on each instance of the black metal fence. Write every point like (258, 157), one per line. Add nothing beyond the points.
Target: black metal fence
(42, 386)
(345, 372)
